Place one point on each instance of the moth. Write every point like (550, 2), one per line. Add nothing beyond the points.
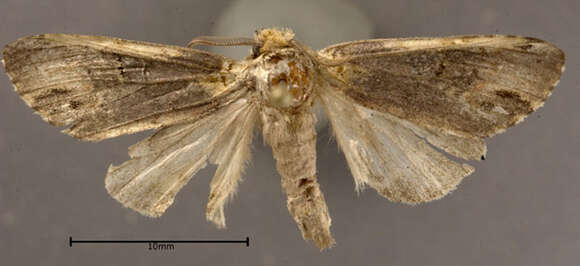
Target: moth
(403, 111)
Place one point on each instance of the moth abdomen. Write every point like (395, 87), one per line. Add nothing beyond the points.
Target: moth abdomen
(293, 141)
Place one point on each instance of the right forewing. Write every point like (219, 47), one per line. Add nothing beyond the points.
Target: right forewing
(104, 87)
(469, 86)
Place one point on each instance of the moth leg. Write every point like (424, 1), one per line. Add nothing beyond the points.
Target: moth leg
(293, 143)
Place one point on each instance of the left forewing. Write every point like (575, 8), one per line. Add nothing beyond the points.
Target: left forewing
(466, 86)
(391, 156)
(105, 87)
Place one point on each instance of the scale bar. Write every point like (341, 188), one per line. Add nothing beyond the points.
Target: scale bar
(71, 241)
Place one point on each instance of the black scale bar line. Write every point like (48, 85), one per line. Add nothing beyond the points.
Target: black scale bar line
(71, 241)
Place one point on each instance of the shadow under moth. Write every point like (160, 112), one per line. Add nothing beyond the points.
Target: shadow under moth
(395, 106)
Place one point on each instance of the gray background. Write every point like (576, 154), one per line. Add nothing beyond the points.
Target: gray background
(520, 207)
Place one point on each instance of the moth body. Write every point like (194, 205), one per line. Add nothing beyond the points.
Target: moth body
(284, 79)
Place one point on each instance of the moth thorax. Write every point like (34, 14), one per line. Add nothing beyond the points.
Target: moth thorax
(287, 82)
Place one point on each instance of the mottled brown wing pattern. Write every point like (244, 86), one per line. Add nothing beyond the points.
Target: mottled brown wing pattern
(104, 87)
(469, 86)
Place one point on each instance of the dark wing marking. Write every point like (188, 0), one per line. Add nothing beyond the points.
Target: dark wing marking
(105, 87)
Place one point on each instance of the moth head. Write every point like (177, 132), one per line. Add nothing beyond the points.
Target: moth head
(273, 39)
